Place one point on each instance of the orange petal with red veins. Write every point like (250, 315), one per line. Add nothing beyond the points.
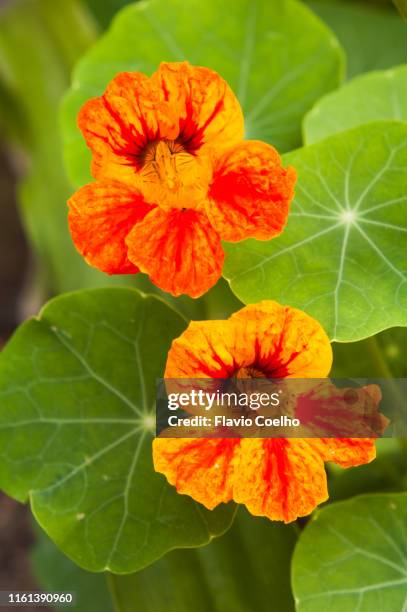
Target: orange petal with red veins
(100, 217)
(201, 468)
(118, 125)
(193, 106)
(280, 478)
(346, 452)
(207, 349)
(327, 410)
(178, 249)
(290, 343)
(250, 193)
(208, 111)
(280, 341)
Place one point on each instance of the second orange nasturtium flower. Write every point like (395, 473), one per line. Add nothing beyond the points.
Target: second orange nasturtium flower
(281, 478)
(174, 177)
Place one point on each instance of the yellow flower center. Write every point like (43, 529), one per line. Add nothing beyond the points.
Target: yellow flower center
(171, 177)
(249, 372)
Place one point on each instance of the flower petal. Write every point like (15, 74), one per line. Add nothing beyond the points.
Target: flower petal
(327, 410)
(278, 340)
(280, 478)
(346, 452)
(118, 125)
(178, 249)
(201, 468)
(285, 478)
(193, 106)
(209, 113)
(290, 343)
(100, 217)
(207, 349)
(251, 193)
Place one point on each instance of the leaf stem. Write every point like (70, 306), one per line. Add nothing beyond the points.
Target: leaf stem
(383, 368)
(111, 583)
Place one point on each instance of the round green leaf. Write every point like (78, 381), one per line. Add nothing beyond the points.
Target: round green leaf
(371, 97)
(277, 56)
(353, 556)
(77, 393)
(342, 257)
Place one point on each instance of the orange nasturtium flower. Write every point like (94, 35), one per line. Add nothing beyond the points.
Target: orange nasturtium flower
(174, 177)
(281, 478)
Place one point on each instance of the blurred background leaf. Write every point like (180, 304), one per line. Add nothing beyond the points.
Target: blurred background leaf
(36, 57)
(54, 572)
(370, 97)
(382, 356)
(373, 37)
(105, 10)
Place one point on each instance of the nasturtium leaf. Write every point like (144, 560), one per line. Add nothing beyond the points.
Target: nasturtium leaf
(77, 395)
(370, 97)
(246, 569)
(278, 57)
(342, 257)
(374, 37)
(353, 556)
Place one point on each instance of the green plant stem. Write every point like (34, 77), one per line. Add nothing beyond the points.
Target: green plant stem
(381, 365)
(383, 368)
(402, 7)
(111, 583)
